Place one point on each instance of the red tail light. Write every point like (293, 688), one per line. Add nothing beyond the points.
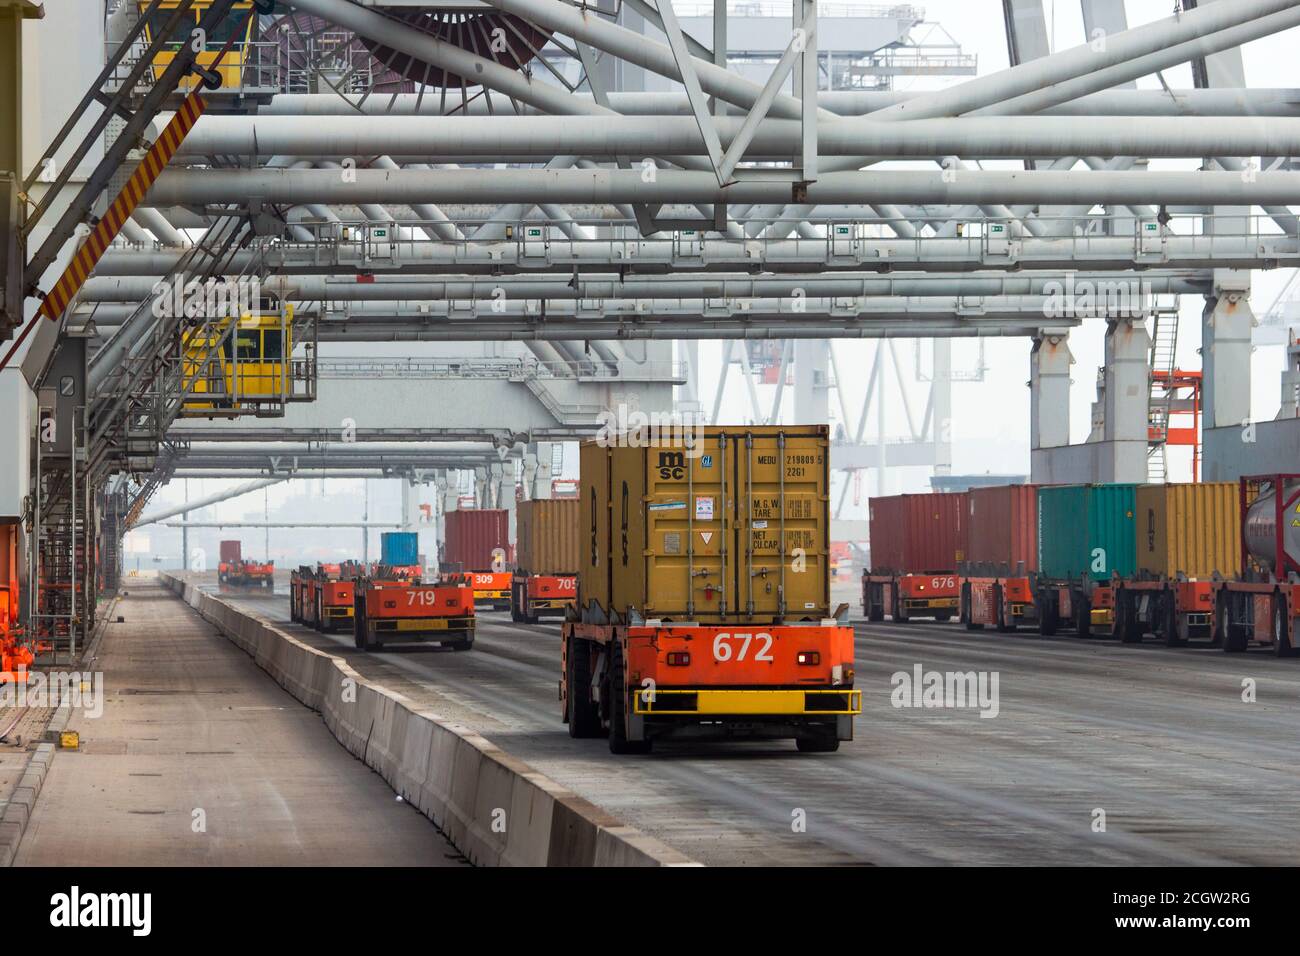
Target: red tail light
(679, 658)
(809, 658)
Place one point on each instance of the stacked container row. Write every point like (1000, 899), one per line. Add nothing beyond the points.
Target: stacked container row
(1003, 531)
(919, 534)
(1190, 529)
(1064, 532)
(1087, 530)
(399, 549)
(474, 537)
(547, 539)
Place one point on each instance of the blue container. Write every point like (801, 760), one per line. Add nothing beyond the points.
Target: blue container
(399, 548)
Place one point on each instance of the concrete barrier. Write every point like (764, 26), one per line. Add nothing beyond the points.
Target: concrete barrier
(494, 808)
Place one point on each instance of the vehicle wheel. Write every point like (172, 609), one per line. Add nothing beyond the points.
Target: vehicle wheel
(1083, 620)
(1218, 630)
(1126, 626)
(462, 645)
(1047, 619)
(1170, 624)
(618, 742)
(817, 745)
(943, 617)
(1235, 637)
(1281, 628)
(584, 721)
(359, 627)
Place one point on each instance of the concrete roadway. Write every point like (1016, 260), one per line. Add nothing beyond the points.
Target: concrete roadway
(191, 723)
(1157, 738)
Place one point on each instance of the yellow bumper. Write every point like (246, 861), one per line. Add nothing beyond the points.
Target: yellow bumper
(749, 702)
(413, 624)
(945, 603)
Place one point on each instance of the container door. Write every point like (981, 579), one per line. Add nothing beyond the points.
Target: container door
(782, 518)
(681, 523)
(594, 568)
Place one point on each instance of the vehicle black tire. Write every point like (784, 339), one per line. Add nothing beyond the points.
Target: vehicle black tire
(877, 615)
(464, 644)
(943, 617)
(1048, 621)
(1169, 623)
(1235, 638)
(819, 744)
(1219, 628)
(1083, 619)
(618, 742)
(1126, 626)
(584, 718)
(1282, 645)
(899, 614)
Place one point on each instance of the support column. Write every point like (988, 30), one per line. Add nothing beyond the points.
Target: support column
(812, 382)
(1049, 398)
(538, 483)
(1291, 378)
(941, 392)
(1226, 325)
(1127, 401)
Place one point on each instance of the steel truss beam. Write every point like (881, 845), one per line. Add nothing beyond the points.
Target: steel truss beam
(1252, 248)
(522, 137)
(1281, 101)
(535, 186)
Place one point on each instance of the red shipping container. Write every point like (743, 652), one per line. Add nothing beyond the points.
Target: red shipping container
(473, 535)
(914, 534)
(1003, 527)
(231, 552)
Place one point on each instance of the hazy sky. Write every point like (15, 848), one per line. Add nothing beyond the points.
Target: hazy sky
(991, 418)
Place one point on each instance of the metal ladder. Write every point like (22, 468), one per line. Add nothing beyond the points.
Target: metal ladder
(1164, 345)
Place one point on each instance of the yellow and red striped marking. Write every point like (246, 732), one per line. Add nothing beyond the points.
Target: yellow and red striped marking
(132, 193)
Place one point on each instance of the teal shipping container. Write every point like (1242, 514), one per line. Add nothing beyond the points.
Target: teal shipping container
(1087, 529)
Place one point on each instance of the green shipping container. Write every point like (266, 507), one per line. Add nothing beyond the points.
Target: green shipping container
(1087, 529)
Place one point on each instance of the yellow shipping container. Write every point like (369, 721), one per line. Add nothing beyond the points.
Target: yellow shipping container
(1194, 528)
(734, 529)
(547, 538)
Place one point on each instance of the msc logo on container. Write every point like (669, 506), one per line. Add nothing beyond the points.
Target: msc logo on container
(672, 465)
